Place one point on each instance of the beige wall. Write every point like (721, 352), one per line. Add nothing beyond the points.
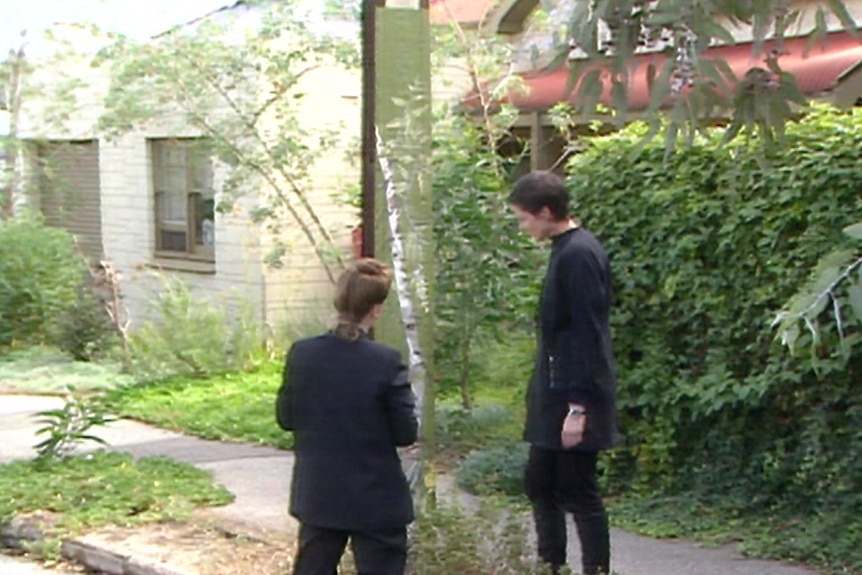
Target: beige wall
(298, 293)
(128, 230)
(301, 292)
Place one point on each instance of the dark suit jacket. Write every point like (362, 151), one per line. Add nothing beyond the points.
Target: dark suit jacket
(575, 361)
(349, 404)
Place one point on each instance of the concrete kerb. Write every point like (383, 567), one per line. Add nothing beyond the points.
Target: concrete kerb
(21, 533)
(112, 563)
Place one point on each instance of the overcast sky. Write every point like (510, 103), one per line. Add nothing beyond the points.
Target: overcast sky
(132, 17)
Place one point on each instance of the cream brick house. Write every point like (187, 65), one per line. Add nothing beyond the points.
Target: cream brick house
(145, 200)
(114, 194)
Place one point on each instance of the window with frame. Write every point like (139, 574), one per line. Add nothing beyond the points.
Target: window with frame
(184, 198)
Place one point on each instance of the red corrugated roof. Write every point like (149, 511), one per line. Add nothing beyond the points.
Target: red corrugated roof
(815, 73)
(464, 11)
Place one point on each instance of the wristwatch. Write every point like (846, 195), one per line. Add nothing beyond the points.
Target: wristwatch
(576, 412)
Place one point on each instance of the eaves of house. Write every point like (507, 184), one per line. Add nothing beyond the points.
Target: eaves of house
(830, 62)
(834, 64)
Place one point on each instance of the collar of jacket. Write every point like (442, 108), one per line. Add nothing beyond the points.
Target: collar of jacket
(555, 240)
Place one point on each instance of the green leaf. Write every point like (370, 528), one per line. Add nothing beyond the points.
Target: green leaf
(651, 76)
(715, 30)
(854, 231)
(854, 295)
(661, 87)
(590, 92)
(840, 10)
(817, 33)
(619, 100)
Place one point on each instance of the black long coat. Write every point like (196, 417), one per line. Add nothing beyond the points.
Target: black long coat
(349, 404)
(574, 360)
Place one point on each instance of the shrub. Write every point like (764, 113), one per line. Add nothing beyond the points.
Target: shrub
(40, 273)
(706, 247)
(498, 469)
(486, 275)
(460, 431)
(193, 336)
(492, 540)
(85, 329)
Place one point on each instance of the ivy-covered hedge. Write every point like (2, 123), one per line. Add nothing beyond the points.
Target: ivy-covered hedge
(706, 247)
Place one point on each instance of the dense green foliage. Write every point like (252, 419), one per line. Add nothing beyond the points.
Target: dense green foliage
(39, 278)
(193, 336)
(85, 330)
(491, 538)
(226, 407)
(487, 274)
(706, 248)
(105, 488)
(688, 85)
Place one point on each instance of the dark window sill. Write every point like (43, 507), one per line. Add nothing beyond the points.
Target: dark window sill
(183, 265)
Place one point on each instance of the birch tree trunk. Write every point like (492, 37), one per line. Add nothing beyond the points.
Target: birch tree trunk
(403, 215)
(409, 318)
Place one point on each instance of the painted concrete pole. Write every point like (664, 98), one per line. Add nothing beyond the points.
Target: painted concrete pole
(402, 95)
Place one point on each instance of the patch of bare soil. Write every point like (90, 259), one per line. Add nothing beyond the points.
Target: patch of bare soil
(200, 547)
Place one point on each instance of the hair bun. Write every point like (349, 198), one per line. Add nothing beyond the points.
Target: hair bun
(370, 267)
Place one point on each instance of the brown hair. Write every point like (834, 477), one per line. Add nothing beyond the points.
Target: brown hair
(541, 189)
(364, 284)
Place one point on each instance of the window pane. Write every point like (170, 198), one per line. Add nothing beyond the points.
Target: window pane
(173, 206)
(205, 224)
(202, 172)
(171, 181)
(185, 199)
(173, 241)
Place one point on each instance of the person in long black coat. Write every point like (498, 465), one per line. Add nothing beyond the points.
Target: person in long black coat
(349, 404)
(571, 398)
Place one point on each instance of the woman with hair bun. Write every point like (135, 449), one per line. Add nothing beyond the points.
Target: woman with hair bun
(349, 403)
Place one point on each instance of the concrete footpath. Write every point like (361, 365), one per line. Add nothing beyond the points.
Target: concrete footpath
(17, 566)
(259, 477)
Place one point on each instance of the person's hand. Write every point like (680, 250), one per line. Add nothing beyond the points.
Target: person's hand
(573, 430)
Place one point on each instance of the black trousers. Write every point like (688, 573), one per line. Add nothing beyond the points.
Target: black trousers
(557, 482)
(379, 553)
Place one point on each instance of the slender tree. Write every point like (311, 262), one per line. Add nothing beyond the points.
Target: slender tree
(13, 74)
(240, 82)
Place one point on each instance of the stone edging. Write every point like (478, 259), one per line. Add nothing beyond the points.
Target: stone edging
(20, 532)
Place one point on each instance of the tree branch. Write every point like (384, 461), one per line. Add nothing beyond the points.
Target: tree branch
(251, 126)
(263, 173)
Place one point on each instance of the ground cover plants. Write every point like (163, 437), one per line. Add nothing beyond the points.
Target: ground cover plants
(81, 492)
(225, 407)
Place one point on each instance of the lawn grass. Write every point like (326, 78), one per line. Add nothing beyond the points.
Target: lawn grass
(45, 371)
(226, 407)
(104, 488)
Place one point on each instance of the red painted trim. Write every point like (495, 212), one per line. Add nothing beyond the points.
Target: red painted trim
(816, 72)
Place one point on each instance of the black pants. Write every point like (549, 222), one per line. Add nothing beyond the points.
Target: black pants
(380, 553)
(557, 482)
